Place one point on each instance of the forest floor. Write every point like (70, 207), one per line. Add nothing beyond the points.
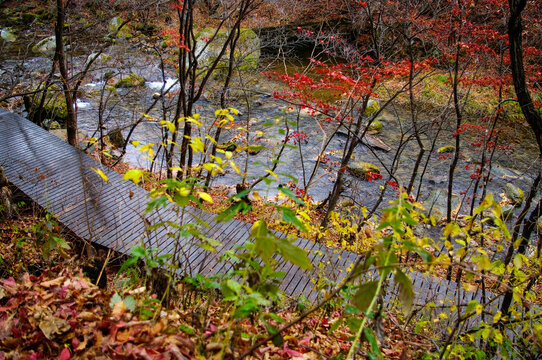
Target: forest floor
(50, 308)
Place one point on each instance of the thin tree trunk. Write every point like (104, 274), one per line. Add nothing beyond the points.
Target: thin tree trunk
(60, 58)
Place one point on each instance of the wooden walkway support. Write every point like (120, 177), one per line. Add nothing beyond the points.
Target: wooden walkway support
(61, 179)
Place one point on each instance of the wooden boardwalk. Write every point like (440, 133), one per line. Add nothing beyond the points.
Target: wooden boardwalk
(60, 179)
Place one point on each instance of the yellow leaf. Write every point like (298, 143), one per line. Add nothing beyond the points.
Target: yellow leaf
(193, 121)
(517, 262)
(205, 197)
(483, 263)
(256, 195)
(497, 337)
(197, 145)
(135, 143)
(273, 174)
(234, 110)
(171, 127)
(101, 173)
(146, 148)
(211, 139)
(232, 164)
(135, 175)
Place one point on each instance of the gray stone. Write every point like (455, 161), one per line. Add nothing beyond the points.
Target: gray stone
(360, 169)
(116, 138)
(514, 194)
(7, 35)
(248, 48)
(46, 46)
(437, 203)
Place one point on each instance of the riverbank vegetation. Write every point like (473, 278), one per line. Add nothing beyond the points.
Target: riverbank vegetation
(405, 132)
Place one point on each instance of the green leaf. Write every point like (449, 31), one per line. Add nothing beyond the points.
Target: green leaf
(128, 263)
(365, 294)
(139, 251)
(265, 246)
(231, 211)
(294, 254)
(61, 242)
(234, 286)
(291, 195)
(272, 330)
(336, 325)
(114, 300)
(353, 323)
(406, 293)
(130, 303)
(371, 339)
(290, 218)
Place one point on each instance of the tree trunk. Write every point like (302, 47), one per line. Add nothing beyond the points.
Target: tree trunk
(60, 58)
(534, 119)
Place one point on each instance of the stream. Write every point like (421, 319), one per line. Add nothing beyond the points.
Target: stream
(266, 121)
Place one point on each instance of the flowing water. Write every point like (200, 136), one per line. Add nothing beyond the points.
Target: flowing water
(266, 120)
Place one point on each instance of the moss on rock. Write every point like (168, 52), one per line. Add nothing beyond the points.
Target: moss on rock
(360, 169)
(446, 149)
(375, 127)
(131, 80)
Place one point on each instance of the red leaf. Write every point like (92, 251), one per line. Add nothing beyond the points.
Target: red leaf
(64, 354)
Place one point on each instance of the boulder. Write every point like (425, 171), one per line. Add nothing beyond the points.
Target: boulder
(114, 24)
(97, 58)
(507, 212)
(54, 107)
(7, 35)
(360, 169)
(437, 202)
(131, 80)
(375, 127)
(46, 46)
(247, 51)
(514, 194)
(116, 138)
(372, 107)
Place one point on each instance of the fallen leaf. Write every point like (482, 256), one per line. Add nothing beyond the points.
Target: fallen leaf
(64, 354)
(119, 309)
(214, 346)
(55, 282)
(51, 325)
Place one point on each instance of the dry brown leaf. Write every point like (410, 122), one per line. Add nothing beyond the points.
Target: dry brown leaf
(214, 346)
(124, 335)
(55, 282)
(119, 309)
(87, 316)
(51, 325)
